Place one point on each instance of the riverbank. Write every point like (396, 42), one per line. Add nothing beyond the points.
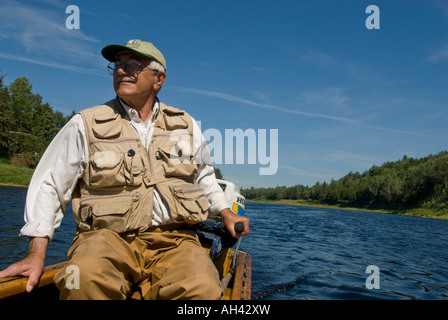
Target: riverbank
(14, 175)
(425, 213)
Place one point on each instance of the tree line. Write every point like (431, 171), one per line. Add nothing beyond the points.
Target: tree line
(27, 125)
(405, 184)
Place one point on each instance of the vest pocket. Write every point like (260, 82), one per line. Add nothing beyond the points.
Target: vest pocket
(106, 169)
(111, 169)
(191, 205)
(109, 212)
(174, 162)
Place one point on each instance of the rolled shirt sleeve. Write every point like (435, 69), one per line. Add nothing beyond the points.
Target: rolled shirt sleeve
(50, 189)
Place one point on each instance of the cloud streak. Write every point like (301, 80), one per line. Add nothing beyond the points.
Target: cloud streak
(228, 97)
(53, 65)
(36, 32)
(439, 55)
(308, 173)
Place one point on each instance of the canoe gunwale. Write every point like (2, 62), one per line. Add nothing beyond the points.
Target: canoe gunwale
(238, 288)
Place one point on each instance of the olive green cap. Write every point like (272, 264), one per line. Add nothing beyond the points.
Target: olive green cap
(142, 47)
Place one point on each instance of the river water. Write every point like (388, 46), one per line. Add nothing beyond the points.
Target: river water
(304, 253)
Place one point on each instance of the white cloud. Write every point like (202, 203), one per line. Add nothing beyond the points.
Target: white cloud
(331, 96)
(39, 33)
(318, 58)
(439, 55)
(353, 159)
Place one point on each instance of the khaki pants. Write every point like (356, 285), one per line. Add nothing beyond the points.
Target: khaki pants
(168, 264)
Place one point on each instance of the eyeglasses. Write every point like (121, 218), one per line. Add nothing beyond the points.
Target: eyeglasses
(130, 66)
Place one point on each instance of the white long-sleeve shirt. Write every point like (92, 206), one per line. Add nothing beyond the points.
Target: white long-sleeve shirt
(65, 159)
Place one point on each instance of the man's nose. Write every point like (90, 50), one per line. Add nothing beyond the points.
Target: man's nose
(121, 70)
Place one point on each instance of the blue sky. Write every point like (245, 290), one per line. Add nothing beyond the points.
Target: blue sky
(341, 97)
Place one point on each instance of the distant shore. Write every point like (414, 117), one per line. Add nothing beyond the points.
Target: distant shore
(17, 176)
(424, 213)
(12, 185)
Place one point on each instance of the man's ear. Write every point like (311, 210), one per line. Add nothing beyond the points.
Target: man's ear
(160, 79)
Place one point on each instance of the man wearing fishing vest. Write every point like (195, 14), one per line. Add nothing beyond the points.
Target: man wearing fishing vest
(139, 176)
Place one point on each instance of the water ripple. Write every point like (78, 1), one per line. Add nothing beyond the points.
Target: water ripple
(326, 252)
(303, 253)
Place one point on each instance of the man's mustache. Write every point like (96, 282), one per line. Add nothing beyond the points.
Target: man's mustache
(126, 79)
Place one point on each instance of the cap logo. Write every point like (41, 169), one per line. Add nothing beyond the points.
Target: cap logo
(132, 43)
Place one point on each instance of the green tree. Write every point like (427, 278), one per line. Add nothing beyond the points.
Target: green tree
(27, 125)
(21, 104)
(5, 118)
(218, 174)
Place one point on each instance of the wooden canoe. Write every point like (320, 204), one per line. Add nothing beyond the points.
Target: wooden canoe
(238, 277)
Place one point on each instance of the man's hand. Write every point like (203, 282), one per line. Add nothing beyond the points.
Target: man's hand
(32, 265)
(230, 219)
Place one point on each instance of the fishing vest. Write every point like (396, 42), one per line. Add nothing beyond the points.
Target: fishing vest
(116, 189)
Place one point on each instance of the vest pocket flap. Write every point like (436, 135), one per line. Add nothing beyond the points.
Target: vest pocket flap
(173, 112)
(173, 121)
(170, 150)
(112, 207)
(106, 130)
(102, 117)
(191, 197)
(188, 191)
(111, 212)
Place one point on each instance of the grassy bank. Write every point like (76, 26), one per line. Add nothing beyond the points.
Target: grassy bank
(427, 213)
(14, 175)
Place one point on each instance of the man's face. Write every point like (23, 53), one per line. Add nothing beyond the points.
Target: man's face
(134, 80)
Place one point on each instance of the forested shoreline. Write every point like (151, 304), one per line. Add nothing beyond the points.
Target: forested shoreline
(406, 184)
(27, 124)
